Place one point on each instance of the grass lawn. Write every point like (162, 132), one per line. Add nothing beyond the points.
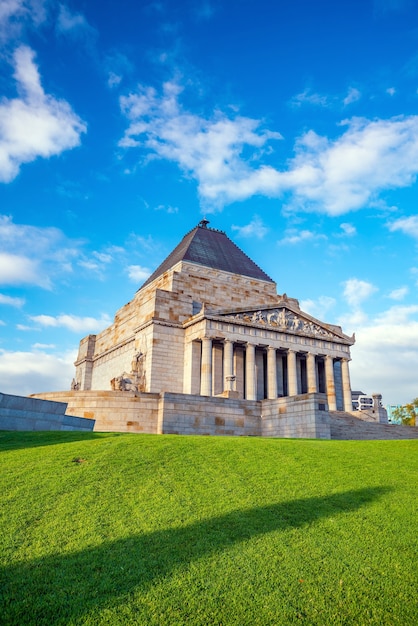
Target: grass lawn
(166, 530)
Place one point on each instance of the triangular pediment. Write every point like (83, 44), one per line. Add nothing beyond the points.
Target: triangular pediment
(287, 319)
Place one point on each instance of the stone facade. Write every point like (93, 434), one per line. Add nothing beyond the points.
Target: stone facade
(203, 330)
(208, 346)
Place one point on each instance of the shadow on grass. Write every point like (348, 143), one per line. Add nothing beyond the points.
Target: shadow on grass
(18, 439)
(62, 588)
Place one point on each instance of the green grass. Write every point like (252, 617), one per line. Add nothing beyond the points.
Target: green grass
(160, 530)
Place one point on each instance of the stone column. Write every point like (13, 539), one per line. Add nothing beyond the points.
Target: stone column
(292, 373)
(311, 372)
(271, 373)
(228, 361)
(330, 383)
(250, 379)
(206, 367)
(345, 374)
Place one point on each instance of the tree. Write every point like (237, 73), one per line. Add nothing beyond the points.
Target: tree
(407, 414)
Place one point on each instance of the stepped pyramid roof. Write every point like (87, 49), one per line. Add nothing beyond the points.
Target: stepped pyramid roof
(211, 248)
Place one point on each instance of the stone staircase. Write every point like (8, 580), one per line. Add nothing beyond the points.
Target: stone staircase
(346, 426)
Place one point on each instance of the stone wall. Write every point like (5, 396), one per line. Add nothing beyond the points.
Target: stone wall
(21, 413)
(113, 411)
(197, 415)
(297, 416)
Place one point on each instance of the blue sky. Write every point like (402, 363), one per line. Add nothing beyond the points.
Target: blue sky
(292, 126)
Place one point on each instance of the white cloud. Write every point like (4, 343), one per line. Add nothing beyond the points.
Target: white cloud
(9, 300)
(117, 66)
(357, 291)
(16, 14)
(68, 21)
(35, 124)
(255, 228)
(352, 96)
(18, 270)
(24, 373)
(398, 294)
(391, 91)
(230, 156)
(137, 273)
(348, 173)
(309, 97)
(48, 253)
(407, 225)
(385, 356)
(73, 322)
(318, 308)
(209, 150)
(171, 210)
(348, 229)
(294, 236)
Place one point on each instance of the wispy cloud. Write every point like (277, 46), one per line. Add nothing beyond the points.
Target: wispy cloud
(294, 236)
(10, 300)
(48, 253)
(352, 96)
(27, 372)
(68, 21)
(208, 149)
(348, 229)
(19, 270)
(35, 124)
(255, 228)
(407, 225)
(73, 322)
(318, 308)
(309, 97)
(356, 291)
(137, 273)
(231, 156)
(16, 15)
(348, 173)
(398, 294)
(385, 355)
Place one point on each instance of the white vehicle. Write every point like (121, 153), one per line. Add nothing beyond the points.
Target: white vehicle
(365, 403)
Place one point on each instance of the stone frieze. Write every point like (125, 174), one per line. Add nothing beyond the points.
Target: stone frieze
(282, 319)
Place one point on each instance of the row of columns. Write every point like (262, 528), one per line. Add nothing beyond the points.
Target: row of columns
(292, 382)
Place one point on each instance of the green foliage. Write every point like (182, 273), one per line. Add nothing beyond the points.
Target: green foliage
(406, 414)
(125, 529)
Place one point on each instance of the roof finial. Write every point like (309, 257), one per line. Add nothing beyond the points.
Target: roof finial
(204, 223)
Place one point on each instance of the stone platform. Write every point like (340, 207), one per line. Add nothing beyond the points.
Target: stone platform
(302, 416)
(175, 413)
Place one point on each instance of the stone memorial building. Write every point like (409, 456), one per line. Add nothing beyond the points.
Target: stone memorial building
(209, 322)
(207, 346)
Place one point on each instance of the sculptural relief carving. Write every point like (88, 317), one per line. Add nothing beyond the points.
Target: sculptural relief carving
(283, 320)
(134, 380)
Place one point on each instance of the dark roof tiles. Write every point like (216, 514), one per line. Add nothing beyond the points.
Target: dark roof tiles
(210, 248)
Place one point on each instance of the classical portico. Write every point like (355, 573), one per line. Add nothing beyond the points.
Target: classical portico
(269, 353)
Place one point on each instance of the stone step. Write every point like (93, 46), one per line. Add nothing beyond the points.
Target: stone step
(347, 426)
